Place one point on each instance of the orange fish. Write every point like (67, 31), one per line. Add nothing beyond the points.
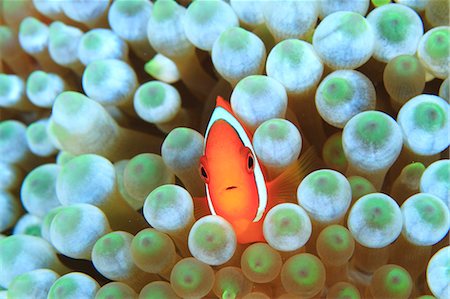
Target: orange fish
(236, 184)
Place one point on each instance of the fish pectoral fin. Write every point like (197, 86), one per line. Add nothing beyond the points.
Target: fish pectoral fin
(201, 207)
(284, 187)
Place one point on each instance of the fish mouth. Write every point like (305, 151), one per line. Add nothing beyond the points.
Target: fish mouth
(231, 187)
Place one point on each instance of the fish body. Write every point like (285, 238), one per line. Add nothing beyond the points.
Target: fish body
(236, 185)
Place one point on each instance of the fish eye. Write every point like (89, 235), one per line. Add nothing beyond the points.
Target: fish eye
(202, 169)
(204, 174)
(250, 162)
(247, 154)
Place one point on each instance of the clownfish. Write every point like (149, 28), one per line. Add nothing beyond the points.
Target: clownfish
(235, 181)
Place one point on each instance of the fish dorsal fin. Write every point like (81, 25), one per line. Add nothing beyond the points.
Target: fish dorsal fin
(220, 102)
(284, 187)
(224, 111)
